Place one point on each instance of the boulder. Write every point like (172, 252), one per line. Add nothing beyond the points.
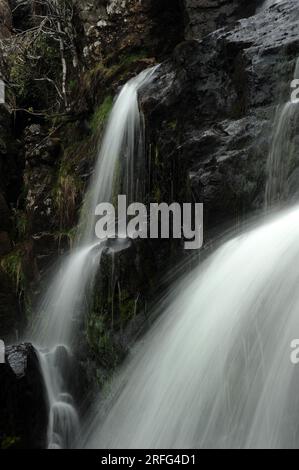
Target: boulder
(24, 406)
(210, 113)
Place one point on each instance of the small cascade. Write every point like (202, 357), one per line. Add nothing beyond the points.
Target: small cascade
(215, 371)
(63, 418)
(283, 151)
(118, 167)
(268, 4)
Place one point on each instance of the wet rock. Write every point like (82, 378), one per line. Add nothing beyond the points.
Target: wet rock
(41, 153)
(124, 28)
(205, 16)
(210, 112)
(24, 408)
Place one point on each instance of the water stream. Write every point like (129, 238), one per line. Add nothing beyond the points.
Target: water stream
(215, 371)
(284, 149)
(65, 299)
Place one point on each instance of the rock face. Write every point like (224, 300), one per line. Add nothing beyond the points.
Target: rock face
(205, 16)
(114, 26)
(24, 408)
(211, 111)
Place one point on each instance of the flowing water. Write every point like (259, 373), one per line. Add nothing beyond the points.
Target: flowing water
(215, 371)
(119, 155)
(284, 149)
(268, 3)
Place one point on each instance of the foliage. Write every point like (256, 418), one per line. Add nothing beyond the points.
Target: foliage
(42, 59)
(101, 114)
(9, 442)
(12, 265)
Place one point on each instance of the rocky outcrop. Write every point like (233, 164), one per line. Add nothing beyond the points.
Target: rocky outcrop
(205, 16)
(211, 112)
(115, 27)
(24, 407)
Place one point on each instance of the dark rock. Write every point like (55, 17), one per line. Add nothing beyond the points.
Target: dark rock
(11, 319)
(205, 16)
(5, 244)
(211, 108)
(24, 408)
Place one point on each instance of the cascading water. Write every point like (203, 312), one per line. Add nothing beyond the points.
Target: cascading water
(267, 4)
(215, 371)
(283, 150)
(55, 325)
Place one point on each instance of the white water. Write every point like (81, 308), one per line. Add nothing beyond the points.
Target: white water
(215, 371)
(268, 3)
(283, 150)
(60, 309)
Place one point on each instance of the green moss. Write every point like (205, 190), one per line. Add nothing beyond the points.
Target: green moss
(69, 187)
(12, 265)
(173, 124)
(101, 341)
(127, 308)
(73, 85)
(9, 442)
(101, 114)
(21, 223)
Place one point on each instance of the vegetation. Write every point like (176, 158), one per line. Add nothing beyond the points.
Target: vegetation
(101, 114)
(9, 442)
(12, 265)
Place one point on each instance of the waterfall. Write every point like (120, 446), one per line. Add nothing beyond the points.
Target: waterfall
(267, 4)
(215, 371)
(283, 150)
(66, 297)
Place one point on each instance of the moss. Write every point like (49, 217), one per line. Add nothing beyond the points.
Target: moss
(126, 308)
(12, 265)
(9, 442)
(101, 342)
(114, 70)
(101, 114)
(173, 125)
(112, 66)
(21, 223)
(69, 187)
(73, 84)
